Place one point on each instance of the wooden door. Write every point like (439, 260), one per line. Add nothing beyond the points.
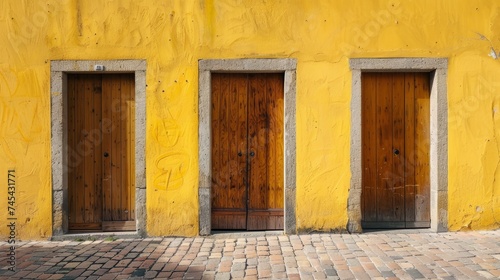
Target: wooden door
(247, 151)
(395, 150)
(100, 121)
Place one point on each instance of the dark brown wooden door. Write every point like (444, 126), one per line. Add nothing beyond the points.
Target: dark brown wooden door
(395, 150)
(247, 151)
(101, 131)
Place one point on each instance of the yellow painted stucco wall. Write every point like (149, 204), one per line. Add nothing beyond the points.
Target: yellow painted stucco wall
(322, 35)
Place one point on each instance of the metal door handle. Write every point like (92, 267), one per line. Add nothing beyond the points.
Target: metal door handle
(106, 154)
(252, 154)
(396, 151)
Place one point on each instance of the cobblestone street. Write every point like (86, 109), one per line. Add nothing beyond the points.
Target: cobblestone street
(381, 255)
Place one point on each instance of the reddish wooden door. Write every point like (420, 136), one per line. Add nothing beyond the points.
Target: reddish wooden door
(395, 150)
(247, 151)
(100, 121)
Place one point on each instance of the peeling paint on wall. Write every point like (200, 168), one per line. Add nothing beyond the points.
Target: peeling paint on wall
(173, 35)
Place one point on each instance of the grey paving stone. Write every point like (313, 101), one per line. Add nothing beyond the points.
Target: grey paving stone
(415, 274)
(330, 272)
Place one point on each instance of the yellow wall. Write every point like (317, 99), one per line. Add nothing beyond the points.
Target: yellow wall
(322, 35)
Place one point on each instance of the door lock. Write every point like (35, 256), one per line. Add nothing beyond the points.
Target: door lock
(396, 151)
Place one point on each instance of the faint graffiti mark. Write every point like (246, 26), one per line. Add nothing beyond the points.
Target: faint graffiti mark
(8, 82)
(8, 85)
(31, 26)
(167, 133)
(19, 115)
(173, 167)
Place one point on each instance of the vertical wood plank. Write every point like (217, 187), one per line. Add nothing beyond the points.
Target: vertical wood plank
(237, 191)
(277, 113)
(107, 128)
(233, 197)
(242, 143)
(242, 146)
(271, 96)
(409, 147)
(98, 148)
(96, 139)
(81, 149)
(224, 142)
(131, 147)
(422, 147)
(263, 144)
(216, 153)
(72, 152)
(280, 148)
(127, 89)
(124, 153)
(116, 148)
(253, 195)
(398, 148)
(384, 144)
(88, 178)
(258, 118)
(369, 146)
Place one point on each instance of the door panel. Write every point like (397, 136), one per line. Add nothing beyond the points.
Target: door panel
(101, 151)
(118, 166)
(395, 157)
(265, 208)
(229, 134)
(247, 179)
(84, 191)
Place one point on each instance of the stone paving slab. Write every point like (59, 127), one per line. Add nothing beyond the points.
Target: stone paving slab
(382, 255)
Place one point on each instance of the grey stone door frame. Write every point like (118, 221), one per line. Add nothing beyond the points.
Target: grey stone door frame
(437, 67)
(59, 70)
(205, 69)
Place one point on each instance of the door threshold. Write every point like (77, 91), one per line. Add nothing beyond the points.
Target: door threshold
(92, 236)
(397, 231)
(227, 234)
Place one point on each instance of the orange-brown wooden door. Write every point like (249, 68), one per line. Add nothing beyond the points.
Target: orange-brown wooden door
(395, 150)
(100, 121)
(247, 151)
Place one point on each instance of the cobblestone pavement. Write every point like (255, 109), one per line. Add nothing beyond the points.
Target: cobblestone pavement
(393, 255)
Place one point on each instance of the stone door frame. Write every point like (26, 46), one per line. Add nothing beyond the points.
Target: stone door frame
(287, 66)
(438, 68)
(59, 69)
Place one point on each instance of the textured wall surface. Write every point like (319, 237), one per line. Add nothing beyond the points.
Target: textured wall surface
(322, 35)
